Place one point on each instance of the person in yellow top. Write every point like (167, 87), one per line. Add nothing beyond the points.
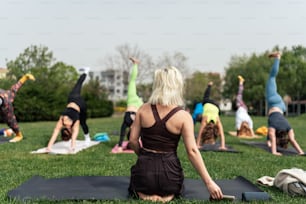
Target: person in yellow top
(133, 103)
(211, 125)
(7, 109)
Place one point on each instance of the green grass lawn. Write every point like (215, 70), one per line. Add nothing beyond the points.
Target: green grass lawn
(18, 165)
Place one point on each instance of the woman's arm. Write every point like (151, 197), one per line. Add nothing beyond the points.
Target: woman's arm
(196, 159)
(272, 137)
(75, 133)
(135, 132)
(202, 127)
(55, 133)
(221, 132)
(294, 143)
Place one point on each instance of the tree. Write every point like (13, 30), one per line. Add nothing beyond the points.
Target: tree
(196, 84)
(120, 61)
(46, 98)
(256, 68)
(178, 60)
(32, 57)
(96, 98)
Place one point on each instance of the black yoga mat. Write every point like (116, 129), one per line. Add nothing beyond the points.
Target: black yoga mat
(115, 188)
(215, 148)
(262, 145)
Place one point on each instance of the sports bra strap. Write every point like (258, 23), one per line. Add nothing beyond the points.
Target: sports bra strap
(166, 118)
(155, 113)
(171, 113)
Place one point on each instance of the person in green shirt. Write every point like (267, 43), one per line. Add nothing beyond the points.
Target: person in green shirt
(133, 103)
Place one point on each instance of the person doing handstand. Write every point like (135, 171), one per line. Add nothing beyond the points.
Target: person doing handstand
(211, 125)
(279, 129)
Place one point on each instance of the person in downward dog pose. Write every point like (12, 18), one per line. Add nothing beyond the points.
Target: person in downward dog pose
(133, 103)
(157, 174)
(72, 117)
(244, 123)
(279, 129)
(7, 109)
(211, 126)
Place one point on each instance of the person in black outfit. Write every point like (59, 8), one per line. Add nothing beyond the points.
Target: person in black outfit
(72, 117)
(158, 174)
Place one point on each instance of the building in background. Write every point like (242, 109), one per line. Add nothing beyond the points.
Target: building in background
(114, 81)
(3, 72)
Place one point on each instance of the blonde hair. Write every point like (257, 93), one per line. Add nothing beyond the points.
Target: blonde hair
(168, 87)
(244, 130)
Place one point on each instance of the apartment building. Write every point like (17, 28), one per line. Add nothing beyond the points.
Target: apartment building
(115, 82)
(3, 72)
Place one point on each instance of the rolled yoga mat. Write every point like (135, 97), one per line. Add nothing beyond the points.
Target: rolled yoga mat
(255, 196)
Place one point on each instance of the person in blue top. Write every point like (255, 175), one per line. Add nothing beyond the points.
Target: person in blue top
(197, 112)
(279, 129)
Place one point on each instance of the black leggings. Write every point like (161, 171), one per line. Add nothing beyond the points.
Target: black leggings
(206, 98)
(127, 122)
(156, 173)
(75, 96)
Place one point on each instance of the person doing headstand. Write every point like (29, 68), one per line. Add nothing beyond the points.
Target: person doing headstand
(7, 109)
(74, 115)
(211, 125)
(158, 174)
(244, 123)
(133, 103)
(279, 129)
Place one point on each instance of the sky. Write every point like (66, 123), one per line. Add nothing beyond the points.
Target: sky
(85, 32)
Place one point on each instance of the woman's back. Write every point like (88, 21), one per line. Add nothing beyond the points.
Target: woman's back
(161, 127)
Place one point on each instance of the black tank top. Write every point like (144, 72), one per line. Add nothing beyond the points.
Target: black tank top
(73, 114)
(157, 137)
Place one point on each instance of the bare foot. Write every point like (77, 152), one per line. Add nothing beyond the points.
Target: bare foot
(155, 198)
(134, 60)
(275, 55)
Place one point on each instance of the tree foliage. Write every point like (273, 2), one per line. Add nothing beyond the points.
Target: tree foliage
(46, 97)
(120, 61)
(256, 68)
(196, 84)
(177, 59)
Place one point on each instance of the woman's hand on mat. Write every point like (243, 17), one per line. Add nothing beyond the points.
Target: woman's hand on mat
(222, 148)
(119, 150)
(277, 153)
(214, 191)
(71, 150)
